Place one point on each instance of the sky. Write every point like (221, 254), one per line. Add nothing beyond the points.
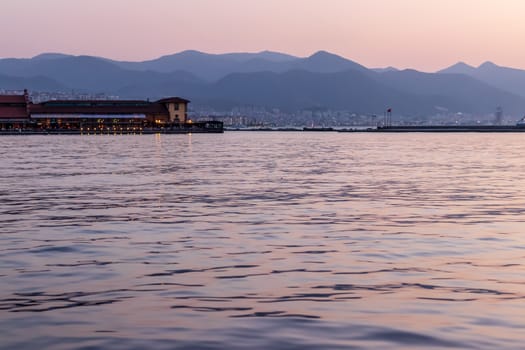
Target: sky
(426, 35)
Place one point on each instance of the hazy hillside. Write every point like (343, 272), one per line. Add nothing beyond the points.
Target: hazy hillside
(459, 68)
(508, 79)
(457, 92)
(269, 79)
(265, 55)
(408, 92)
(212, 67)
(86, 73)
(37, 83)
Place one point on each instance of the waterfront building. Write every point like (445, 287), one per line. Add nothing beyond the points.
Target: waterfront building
(14, 111)
(109, 115)
(17, 112)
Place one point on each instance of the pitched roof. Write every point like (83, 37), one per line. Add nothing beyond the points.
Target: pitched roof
(12, 99)
(8, 112)
(173, 100)
(94, 102)
(98, 107)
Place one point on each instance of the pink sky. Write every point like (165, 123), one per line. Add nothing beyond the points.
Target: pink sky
(423, 34)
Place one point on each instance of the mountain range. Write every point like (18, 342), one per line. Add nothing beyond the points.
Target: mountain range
(276, 80)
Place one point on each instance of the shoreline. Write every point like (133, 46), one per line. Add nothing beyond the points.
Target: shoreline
(393, 129)
(123, 132)
(396, 129)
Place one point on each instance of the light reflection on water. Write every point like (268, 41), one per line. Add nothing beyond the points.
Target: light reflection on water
(265, 240)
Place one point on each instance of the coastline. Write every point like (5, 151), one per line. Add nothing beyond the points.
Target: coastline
(393, 129)
(397, 129)
(120, 132)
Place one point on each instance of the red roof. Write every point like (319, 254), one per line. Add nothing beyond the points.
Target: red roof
(95, 102)
(155, 109)
(173, 100)
(98, 107)
(12, 99)
(12, 112)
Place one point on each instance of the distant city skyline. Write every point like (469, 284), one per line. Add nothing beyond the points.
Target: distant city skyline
(424, 35)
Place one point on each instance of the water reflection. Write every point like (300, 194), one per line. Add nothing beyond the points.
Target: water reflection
(267, 240)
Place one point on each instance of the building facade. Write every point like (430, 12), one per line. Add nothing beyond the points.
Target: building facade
(14, 110)
(18, 112)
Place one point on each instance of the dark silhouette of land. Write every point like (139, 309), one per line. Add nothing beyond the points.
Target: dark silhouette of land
(276, 80)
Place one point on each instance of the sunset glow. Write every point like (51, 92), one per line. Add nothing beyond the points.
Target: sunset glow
(425, 35)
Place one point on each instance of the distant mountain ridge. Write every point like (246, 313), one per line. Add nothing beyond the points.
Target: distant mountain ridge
(508, 79)
(212, 67)
(276, 80)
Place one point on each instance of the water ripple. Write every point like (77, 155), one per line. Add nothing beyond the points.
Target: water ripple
(262, 240)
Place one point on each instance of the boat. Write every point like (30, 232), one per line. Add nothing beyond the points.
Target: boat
(521, 123)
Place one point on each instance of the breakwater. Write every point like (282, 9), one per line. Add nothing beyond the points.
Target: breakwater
(398, 129)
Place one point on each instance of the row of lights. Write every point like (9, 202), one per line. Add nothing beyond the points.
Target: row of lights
(115, 129)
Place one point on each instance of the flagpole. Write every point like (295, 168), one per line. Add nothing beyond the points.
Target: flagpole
(388, 117)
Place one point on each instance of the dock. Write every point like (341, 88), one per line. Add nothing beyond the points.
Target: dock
(398, 129)
(450, 128)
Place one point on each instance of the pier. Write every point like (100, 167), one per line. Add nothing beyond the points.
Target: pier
(450, 128)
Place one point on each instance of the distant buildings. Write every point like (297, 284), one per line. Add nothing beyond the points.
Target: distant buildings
(75, 110)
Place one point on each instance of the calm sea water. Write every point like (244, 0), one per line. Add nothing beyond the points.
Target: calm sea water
(263, 240)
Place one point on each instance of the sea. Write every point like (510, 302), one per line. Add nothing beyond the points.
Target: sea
(263, 240)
